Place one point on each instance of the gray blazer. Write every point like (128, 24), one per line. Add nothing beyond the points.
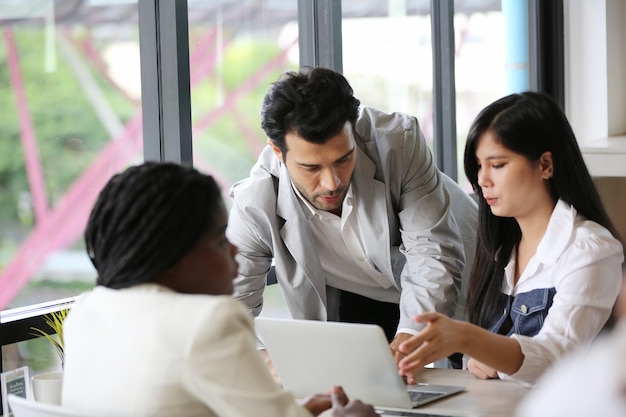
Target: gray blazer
(419, 227)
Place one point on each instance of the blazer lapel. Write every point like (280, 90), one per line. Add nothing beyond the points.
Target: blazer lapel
(372, 213)
(297, 237)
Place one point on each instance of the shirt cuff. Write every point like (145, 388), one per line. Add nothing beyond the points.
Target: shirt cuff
(412, 332)
(536, 360)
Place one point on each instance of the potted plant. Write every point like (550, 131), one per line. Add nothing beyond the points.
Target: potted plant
(54, 321)
(47, 386)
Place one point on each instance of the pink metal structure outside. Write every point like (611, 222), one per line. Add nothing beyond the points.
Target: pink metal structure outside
(59, 226)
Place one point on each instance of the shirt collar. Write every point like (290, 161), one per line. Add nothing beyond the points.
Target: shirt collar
(558, 233)
(553, 243)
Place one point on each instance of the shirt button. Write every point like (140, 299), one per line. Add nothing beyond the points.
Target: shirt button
(524, 309)
(360, 260)
(505, 311)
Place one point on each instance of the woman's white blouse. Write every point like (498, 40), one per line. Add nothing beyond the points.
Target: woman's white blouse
(582, 261)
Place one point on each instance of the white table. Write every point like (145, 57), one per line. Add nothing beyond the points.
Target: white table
(481, 398)
(484, 398)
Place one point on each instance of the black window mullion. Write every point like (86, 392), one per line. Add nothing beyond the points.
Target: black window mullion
(319, 26)
(165, 87)
(546, 48)
(444, 90)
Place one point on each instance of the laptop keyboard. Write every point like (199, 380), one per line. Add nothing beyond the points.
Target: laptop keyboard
(419, 396)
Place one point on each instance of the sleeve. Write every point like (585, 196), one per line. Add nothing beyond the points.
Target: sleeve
(224, 370)
(431, 241)
(589, 279)
(254, 259)
(586, 383)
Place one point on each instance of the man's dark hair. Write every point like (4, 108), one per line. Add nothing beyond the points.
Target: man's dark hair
(146, 219)
(313, 103)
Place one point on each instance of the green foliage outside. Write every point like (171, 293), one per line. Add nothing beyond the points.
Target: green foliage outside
(224, 143)
(69, 135)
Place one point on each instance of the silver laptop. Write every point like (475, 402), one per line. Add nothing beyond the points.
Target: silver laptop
(312, 356)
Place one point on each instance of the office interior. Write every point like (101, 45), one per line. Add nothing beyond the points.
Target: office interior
(89, 87)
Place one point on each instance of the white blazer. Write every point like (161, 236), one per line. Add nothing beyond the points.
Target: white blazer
(148, 351)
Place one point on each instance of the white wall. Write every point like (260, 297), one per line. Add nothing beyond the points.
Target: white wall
(595, 88)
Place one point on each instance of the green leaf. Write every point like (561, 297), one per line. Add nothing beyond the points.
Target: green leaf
(55, 322)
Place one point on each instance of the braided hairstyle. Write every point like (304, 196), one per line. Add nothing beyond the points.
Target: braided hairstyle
(146, 219)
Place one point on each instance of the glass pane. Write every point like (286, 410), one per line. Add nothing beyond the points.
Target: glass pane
(237, 49)
(38, 354)
(387, 56)
(70, 100)
(482, 72)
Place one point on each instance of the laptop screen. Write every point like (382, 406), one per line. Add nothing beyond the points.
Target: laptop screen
(312, 356)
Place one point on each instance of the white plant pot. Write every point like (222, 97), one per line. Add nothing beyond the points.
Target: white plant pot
(47, 387)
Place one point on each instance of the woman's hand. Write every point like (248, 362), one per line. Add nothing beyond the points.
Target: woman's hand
(481, 370)
(338, 400)
(441, 337)
(342, 407)
(318, 403)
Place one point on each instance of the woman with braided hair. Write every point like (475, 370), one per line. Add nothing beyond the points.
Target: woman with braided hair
(161, 334)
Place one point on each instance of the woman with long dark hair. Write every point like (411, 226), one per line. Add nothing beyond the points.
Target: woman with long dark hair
(548, 259)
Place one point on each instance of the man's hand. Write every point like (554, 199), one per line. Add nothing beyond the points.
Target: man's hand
(481, 370)
(395, 343)
(270, 366)
(397, 355)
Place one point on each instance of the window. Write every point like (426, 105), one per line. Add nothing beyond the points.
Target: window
(236, 51)
(388, 58)
(71, 118)
(70, 79)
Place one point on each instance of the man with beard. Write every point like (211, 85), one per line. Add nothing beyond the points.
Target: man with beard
(348, 204)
